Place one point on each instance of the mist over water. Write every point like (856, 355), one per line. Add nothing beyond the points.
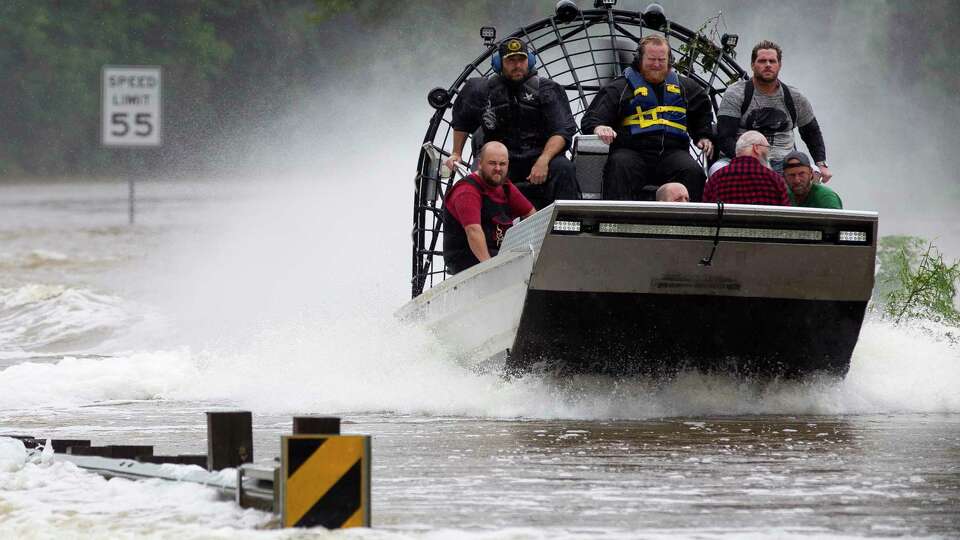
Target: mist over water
(288, 281)
(272, 285)
(361, 363)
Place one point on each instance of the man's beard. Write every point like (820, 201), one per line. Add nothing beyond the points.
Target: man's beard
(800, 191)
(490, 181)
(517, 76)
(655, 76)
(767, 78)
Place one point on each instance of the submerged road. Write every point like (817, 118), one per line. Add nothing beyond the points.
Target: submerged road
(770, 475)
(227, 297)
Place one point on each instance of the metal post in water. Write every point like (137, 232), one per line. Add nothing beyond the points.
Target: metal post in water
(229, 439)
(131, 182)
(60, 446)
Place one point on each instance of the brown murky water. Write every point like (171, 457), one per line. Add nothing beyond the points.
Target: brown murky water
(90, 347)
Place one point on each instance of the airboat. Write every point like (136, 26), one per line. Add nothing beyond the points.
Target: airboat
(638, 288)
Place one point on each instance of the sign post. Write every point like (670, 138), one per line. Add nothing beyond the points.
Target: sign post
(131, 111)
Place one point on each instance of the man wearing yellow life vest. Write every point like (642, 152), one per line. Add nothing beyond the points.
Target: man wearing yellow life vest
(648, 117)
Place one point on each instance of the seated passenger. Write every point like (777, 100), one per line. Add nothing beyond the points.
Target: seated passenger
(479, 209)
(529, 114)
(673, 192)
(748, 178)
(802, 189)
(648, 117)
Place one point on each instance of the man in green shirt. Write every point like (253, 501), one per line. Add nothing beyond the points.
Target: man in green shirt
(800, 186)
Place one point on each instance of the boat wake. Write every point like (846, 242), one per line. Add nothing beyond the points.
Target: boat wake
(40, 495)
(369, 365)
(57, 318)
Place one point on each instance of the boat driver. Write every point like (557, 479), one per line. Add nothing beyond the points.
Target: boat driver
(527, 113)
(479, 209)
(648, 117)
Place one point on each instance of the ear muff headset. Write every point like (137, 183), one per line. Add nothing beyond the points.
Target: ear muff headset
(497, 64)
(638, 56)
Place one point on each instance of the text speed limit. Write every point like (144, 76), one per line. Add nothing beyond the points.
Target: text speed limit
(131, 106)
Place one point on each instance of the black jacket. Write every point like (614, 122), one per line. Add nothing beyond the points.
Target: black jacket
(612, 104)
(520, 115)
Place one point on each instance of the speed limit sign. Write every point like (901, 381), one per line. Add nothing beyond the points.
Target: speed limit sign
(131, 106)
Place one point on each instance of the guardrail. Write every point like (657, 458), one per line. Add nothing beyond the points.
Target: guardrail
(322, 478)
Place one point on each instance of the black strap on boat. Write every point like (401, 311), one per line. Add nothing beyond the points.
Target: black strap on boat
(708, 261)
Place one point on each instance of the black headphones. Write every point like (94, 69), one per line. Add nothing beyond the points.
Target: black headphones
(638, 54)
(496, 63)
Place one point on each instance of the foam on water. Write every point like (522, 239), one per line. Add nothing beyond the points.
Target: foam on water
(381, 365)
(377, 364)
(40, 498)
(43, 317)
(78, 381)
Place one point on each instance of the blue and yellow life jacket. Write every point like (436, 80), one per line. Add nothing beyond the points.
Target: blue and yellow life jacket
(669, 117)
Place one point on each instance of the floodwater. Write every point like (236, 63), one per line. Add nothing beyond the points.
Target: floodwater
(226, 296)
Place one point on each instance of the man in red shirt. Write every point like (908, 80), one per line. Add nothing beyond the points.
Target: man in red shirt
(748, 179)
(479, 209)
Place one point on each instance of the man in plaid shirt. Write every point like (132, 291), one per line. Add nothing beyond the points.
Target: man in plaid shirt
(748, 179)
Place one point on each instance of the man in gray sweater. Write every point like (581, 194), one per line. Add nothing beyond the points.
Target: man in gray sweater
(765, 104)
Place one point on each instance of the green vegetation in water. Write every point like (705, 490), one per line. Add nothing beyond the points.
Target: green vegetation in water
(914, 281)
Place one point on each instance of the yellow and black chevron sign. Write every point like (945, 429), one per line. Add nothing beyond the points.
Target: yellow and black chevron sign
(326, 481)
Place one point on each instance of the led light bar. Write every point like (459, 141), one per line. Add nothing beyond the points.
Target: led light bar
(566, 226)
(725, 232)
(853, 236)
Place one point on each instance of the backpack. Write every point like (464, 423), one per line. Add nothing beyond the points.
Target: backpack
(787, 100)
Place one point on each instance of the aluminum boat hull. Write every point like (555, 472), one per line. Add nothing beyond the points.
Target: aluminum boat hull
(631, 291)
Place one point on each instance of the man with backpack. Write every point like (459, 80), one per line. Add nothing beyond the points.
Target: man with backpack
(765, 104)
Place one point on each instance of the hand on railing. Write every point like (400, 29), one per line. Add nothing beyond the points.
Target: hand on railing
(451, 162)
(707, 146)
(606, 133)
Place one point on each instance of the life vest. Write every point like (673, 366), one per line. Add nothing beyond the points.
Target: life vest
(515, 118)
(669, 117)
(494, 220)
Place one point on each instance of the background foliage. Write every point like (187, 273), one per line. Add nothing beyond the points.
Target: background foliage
(229, 64)
(915, 282)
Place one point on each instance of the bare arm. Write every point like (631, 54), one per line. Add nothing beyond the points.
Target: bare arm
(555, 145)
(459, 139)
(477, 242)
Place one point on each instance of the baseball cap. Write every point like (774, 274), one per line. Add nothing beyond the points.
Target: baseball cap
(511, 47)
(796, 155)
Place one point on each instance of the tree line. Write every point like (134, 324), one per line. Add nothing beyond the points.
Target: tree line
(230, 63)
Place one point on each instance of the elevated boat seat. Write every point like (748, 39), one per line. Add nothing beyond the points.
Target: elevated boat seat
(589, 157)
